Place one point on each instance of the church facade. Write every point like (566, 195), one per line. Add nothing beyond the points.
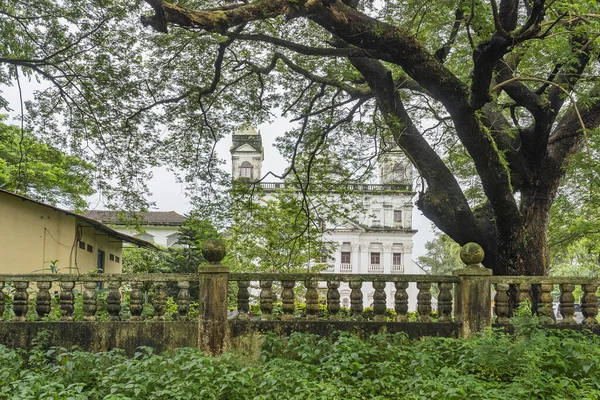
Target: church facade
(378, 240)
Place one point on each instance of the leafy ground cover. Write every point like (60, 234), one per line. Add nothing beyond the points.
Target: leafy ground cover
(531, 364)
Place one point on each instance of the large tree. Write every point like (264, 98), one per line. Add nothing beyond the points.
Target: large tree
(511, 87)
(519, 94)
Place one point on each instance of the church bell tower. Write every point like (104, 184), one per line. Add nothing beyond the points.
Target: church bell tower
(247, 154)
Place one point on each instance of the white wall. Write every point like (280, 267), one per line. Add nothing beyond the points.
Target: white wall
(159, 234)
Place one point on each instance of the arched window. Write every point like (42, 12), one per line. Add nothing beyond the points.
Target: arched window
(398, 172)
(246, 170)
(401, 172)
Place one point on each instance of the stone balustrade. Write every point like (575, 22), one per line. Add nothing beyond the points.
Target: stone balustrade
(345, 267)
(397, 269)
(510, 291)
(366, 187)
(34, 294)
(265, 284)
(106, 311)
(375, 268)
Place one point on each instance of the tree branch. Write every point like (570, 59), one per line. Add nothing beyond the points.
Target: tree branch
(571, 72)
(218, 20)
(298, 48)
(444, 193)
(442, 52)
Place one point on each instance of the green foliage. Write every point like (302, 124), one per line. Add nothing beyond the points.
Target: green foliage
(182, 258)
(525, 322)
(574, 229)
(495, 365)
(32, 168)
(443, 255)
(141, 260)
(274, 234)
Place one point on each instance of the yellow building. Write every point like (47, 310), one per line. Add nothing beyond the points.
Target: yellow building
(39, 238)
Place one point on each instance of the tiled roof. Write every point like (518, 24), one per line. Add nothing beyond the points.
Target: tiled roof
(157, 218)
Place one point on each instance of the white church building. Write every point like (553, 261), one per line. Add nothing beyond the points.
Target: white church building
(377, 241)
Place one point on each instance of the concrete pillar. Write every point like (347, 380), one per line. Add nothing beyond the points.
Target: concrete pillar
(212, 308)
(473, 307)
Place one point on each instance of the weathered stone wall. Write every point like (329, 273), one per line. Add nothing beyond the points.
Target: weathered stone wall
(413, 330)
(165, 335)
(103, 336)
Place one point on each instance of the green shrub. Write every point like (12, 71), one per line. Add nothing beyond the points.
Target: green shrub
(494, 365)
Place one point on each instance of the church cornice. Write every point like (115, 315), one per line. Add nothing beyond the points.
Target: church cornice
(371, 188)
(387, 229)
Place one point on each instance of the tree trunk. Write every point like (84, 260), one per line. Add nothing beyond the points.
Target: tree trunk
(524, 250)
(536, 213)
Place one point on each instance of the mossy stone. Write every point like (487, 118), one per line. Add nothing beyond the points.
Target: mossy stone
(214, 250)
(472, 253)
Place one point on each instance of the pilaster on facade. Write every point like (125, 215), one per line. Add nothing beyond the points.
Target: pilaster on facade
(387, 259)
(355, 266)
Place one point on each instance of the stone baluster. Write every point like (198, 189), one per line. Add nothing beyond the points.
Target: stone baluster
(113, 300)
(243, 300)
(136, 300)
(20, 300)
(287, 299)
(90, 304)
(266, 299)
(501, 303)
(43, 300)
(544, 309)
(356, 300)
(333, 299)
(445, 302)
(67, 300)
(567, 303)
(159, 300)
(589, 304)
(523, 293)
(183, 300)
(2, 304)
(312, 299)
(379, 301)
(424, 301)
(401, 301)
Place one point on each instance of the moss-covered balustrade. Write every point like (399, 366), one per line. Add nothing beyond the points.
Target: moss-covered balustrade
(98, 312)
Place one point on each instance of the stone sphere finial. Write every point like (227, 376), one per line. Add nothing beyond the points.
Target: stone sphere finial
(213, 250)
(472, 253)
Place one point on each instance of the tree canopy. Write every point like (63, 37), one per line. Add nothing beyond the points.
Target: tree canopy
(442, 257)
(499, 93)
(271, 233)
(32, 168)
